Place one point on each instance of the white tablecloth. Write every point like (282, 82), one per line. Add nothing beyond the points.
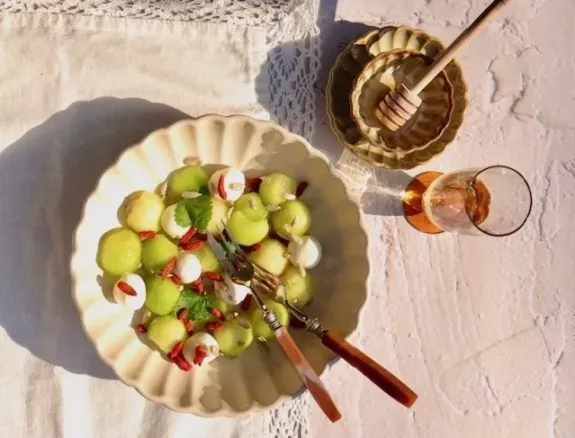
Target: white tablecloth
(482, 328)
(75, 92)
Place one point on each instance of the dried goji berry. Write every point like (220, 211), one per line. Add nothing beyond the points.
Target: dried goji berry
(252, 248)
(253, 184)
(169, 268)
(246, 303)
(176, 350)
(189, 326)
(215, 276)
(141, 328)
(213, 326)
(126, 288)
(198, 286)
(176, 280)
(221, 189)
(217, 313)
(200, 355)
(189, 234)
(183, 313)
(301, 188)
(143, 235)
(192, 246)
(182, 363)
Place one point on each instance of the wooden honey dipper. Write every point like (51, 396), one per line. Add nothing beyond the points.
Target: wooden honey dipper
(399, 105)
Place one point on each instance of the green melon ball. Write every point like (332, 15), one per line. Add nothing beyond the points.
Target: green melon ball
(166, 332)
(299, 290)
(270, 256)
(207, 259)
(119, 252)
(186, 179)
(294, 215)
(157, 252)
(275, 187)
(234, 337)
(219, 216)
(245, 231)
(251, 206)
(144, 211)
(161, 294)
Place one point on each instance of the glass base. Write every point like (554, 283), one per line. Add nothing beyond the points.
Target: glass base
(412, 203)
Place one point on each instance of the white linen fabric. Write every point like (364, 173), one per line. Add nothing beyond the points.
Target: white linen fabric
(75, 92)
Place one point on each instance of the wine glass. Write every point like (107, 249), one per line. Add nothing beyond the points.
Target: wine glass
(494, 200)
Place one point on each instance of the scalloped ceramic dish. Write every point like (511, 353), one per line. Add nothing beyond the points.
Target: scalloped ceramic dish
(383, 74)
(349, 65)
(262, 377)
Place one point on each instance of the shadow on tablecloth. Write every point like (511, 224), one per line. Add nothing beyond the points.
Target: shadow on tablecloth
(383, 193)
(45, 177)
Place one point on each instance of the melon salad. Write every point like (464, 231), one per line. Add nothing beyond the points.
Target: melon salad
(160, 261)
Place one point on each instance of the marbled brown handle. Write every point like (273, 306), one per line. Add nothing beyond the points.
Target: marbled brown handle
(369, 368)
(309, 377)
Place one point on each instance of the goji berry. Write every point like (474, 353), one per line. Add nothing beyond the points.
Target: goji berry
(176, 350)
(182, 313)
(221, 189)
(200, 355)
(189, 326)
(301, 188)
(246, 303)
(252, 248)
(198, 286)
(188, 235)
(253, 184)
(169, 268)
(215, 276)
(182, 363)
(126, 288)
(213, 326)
(217, 313)
(143, 235)
(192, 246)
(176, 280)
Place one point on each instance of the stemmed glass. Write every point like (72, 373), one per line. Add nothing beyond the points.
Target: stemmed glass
(494, 200)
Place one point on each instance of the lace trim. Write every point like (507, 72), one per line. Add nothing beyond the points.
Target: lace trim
(251, 12)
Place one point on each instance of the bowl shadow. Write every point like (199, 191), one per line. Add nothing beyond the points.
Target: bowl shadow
(45, 177)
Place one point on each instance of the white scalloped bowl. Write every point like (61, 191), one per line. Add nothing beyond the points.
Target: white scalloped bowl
(261, 378)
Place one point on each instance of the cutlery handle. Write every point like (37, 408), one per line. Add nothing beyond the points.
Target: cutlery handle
(309, 377)
(369, 368)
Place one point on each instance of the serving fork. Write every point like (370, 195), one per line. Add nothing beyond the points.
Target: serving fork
(271, 286)
(236, 265)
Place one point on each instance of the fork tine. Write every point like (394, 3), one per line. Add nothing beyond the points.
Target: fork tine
(263, 279)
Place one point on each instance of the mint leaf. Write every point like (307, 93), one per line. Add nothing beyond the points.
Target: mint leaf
(198, 305)
(199, 211)
(181, 215)
(204, 190)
